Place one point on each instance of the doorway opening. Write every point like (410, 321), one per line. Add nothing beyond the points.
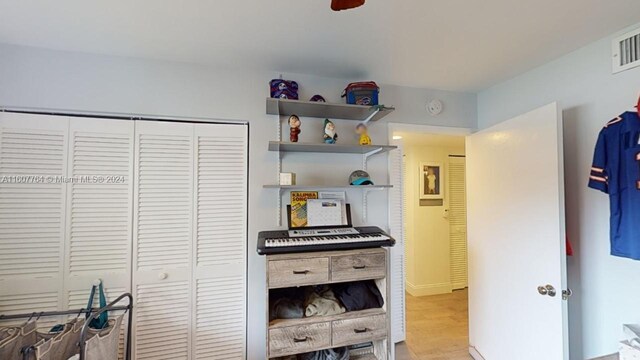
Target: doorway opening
(435, 246)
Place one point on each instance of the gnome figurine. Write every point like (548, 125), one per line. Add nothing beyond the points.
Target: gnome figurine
(330, 135)
(294, 131)
(361, 129)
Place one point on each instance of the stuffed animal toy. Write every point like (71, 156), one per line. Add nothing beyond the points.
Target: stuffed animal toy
(361, 129)
(294, 131)
(330, 135)
(337, 5)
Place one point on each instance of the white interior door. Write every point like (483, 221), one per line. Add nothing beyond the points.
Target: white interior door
(516, 238)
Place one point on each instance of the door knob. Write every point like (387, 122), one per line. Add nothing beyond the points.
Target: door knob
(547, 290)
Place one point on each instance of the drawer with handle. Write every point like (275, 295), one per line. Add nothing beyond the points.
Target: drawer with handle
(298, 272)
(358, 330)
(299, 339)
(358, 267)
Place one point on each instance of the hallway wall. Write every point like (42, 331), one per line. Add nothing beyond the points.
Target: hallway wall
(428, 245)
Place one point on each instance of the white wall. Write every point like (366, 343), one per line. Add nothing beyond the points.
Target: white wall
(606, 288)
(40, 78)
(428, 243)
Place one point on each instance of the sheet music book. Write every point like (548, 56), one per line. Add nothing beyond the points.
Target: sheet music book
(325, 212)
(337, 195)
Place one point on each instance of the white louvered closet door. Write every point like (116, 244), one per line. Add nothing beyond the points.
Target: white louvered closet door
(99, 203)
(396, 224)
(33, 153)
(163, 217)
(220, 253)
(458, 222)
(99, 209)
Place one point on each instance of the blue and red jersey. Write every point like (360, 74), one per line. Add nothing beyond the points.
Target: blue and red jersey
(616, 171)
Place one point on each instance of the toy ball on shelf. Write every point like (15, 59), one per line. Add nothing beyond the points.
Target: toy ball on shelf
(317, 98)
(360, 177)
(294, 131)
(361, 129)
(330, 135)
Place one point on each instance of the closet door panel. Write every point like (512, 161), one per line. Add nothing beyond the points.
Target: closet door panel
(100, 203)
(33, 153)
(220, 241)
(163, 215)
(458, 223)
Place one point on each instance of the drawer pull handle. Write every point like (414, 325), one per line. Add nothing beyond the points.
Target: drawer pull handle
(360, 331)
(301, 272)
(299, 340)
(359, 267)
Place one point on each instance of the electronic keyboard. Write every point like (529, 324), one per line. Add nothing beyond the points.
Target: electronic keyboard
(322, 239)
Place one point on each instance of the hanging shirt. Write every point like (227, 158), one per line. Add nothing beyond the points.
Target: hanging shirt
(616, 171)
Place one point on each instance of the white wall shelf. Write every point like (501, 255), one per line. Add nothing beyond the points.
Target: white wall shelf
(322, 110)
(329, 148)
(286, 107)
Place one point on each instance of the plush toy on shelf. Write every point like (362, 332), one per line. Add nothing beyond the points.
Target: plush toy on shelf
(330, 135)
(294, 131)
(361, 129)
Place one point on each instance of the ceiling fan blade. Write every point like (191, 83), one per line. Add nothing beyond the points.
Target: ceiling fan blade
(337, 5)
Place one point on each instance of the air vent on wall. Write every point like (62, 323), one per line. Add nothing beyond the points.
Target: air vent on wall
(626, 51)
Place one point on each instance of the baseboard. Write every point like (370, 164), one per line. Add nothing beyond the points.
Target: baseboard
(430, 289)
(475, 354)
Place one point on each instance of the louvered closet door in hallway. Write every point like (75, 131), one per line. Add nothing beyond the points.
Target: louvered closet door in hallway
(33, 153)
(190, 241)
(458, 222)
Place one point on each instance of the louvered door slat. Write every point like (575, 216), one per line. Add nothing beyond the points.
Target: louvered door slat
(397, 255)
(458, 222)
(33, 153)
(163, 215)
(220, 241)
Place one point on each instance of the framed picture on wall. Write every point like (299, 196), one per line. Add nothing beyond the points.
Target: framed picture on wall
(431, 180)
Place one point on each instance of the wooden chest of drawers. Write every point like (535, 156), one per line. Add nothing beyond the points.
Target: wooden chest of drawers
(295, 336)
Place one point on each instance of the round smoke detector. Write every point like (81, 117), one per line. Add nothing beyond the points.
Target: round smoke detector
(434, 107)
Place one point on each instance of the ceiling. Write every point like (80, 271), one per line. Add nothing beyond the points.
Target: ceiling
(445, 44)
